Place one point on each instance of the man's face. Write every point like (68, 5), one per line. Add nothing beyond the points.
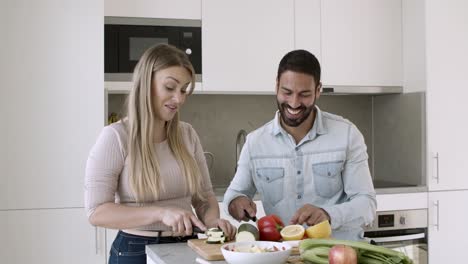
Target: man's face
(296, 94)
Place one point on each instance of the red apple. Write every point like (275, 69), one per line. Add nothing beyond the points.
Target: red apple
(341, 254)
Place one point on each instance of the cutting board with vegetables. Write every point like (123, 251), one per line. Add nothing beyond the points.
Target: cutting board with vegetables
(206, 251)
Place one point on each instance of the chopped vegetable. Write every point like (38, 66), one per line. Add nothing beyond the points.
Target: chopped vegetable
(215, 236)
(247, 232)
(254, 249)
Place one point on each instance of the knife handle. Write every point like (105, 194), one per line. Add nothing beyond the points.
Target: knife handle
(196, 230)
(253, 218)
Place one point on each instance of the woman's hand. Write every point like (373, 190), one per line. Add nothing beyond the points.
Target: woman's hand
(181, 221)
(228, 229)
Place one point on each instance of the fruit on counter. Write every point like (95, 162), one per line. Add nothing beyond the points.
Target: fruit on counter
(342, 254)
(292, 232)
(270, 227)
(320, 230)
(247, 232)
(319, 250)
(215, 236)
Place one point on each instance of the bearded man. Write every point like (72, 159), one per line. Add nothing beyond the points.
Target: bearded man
(307, 165)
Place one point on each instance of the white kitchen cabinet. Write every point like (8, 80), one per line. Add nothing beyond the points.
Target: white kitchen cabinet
(447, 82)
(307, 26)
(4, 243)
(55, 100)
(361, 42)
(52, 108)
(243, 42)
(53, 236)
(448, 235)
(174, 9)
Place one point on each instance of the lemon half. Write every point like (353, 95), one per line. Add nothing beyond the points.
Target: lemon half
(320, 230)
(292, 232)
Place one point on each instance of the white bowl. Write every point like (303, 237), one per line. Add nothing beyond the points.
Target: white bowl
(244, 257)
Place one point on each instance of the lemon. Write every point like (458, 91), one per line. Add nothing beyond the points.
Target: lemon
(292, 232)
(320, 230)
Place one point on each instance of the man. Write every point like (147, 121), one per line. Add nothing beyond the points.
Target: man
(307, 165)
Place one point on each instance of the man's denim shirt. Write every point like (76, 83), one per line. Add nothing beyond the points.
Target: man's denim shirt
(328, 169)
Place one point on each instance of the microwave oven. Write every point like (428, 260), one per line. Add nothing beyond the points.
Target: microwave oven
(125, 40)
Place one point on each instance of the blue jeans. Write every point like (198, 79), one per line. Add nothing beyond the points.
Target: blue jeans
(130, 249)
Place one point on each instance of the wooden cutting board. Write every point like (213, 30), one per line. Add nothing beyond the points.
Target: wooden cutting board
(206, 251)
(213, 251)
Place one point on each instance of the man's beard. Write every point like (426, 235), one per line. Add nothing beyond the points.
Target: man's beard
(304, 114)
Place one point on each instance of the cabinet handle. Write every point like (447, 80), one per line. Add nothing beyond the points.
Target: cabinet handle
(436, 204)
(96, 240)
(436, 157)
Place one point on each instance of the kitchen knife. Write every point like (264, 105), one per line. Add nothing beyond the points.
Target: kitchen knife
(197, 230)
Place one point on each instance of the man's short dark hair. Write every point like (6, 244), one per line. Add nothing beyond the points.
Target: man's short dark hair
(300, 61)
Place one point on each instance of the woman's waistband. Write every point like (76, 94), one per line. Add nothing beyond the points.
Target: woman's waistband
(148, 233)
(155, 237)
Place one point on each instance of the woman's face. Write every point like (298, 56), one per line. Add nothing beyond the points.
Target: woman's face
(169, 90)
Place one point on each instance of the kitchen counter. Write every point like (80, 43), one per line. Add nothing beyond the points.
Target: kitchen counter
(173, 253)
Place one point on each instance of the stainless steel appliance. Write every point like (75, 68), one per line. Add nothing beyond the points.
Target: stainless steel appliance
(125, 40)
(404, 231)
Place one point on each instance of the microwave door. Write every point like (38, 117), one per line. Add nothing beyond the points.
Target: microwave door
(135, 40)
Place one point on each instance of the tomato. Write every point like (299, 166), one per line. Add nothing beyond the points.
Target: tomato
(269, 227)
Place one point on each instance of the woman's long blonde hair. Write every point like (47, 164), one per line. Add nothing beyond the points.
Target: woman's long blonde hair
(144, 171)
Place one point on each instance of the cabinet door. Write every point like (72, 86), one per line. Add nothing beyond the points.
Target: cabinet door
(55, 101)
(178, 9)
(362, 42)
(447, 82)
(243, 42)
(54, 236)
(307, 26)
(448, 235)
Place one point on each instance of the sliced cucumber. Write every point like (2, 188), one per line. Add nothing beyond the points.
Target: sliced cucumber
(247, 232)
(215, 236)
(214, 232)
(215, 240)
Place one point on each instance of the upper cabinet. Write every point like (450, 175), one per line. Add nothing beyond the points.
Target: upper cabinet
(58, 84)
(307, 26)
(177, 9)
(361, 42)
(447, 82)
(243, 42)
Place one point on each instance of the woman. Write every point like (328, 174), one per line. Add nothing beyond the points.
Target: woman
(146, 171)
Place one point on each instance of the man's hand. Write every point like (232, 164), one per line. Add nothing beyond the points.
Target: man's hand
(309, 215)
(240, 206)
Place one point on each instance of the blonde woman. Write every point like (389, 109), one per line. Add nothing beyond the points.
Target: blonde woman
(146, 172)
